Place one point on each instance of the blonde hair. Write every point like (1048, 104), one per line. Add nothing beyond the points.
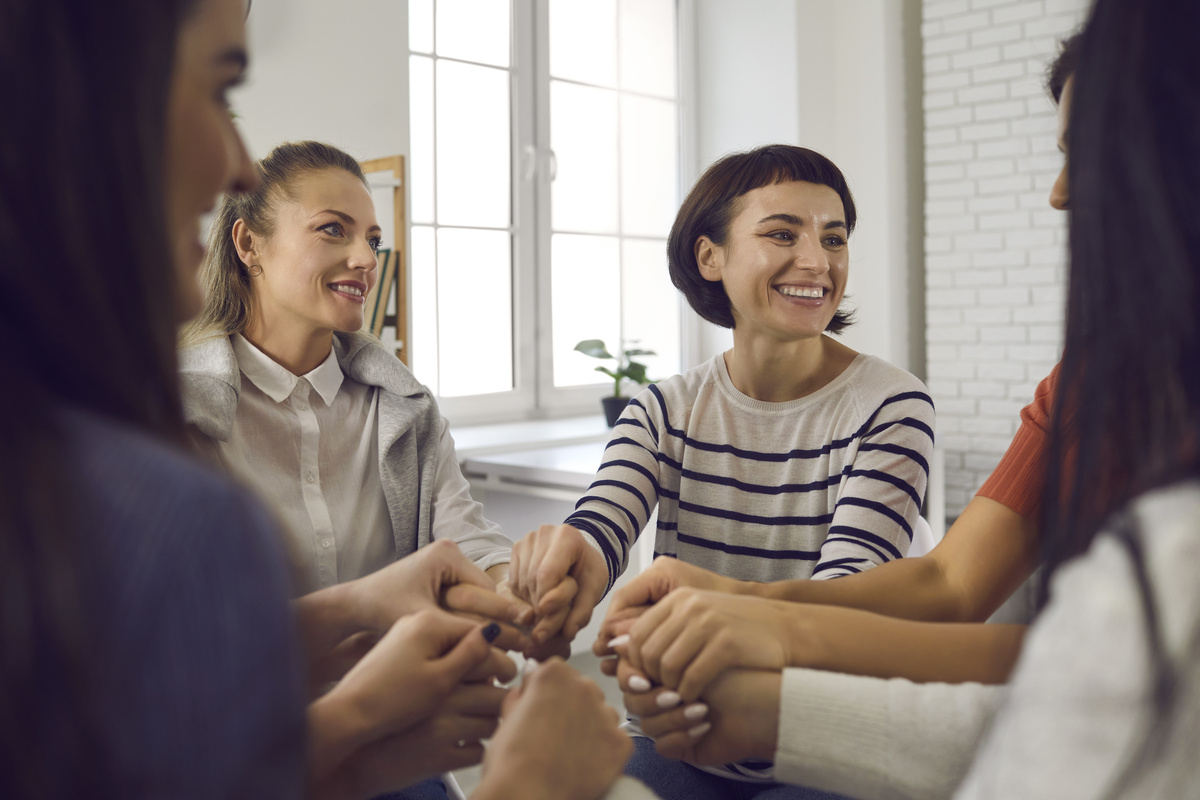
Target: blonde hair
(225, 279)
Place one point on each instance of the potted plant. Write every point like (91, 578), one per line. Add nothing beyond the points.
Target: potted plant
(626, 369)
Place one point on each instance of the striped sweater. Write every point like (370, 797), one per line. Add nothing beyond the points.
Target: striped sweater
(826, 485)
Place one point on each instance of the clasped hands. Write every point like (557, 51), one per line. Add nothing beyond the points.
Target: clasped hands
(415, 689)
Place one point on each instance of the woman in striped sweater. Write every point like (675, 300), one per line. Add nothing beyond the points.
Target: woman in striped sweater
(788, 456)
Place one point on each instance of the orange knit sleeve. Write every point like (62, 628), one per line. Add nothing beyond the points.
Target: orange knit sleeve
(1019, 479)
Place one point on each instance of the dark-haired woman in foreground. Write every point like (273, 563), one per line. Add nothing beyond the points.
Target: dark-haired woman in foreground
(147, 646)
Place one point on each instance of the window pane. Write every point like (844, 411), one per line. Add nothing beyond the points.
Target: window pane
(420, 137)
(650, 305)
(420, 25)
(474, 311)
(423, 312)
(649, 166)
(583, 41)
(585, 292)
(473, 151)
(583, 135)
(474, 30)
(648, 46)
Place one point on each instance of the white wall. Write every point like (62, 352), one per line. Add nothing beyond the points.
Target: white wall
(333, 72)
(995, 250)
(830, 77)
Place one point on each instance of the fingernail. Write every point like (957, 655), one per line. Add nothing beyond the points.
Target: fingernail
(639, 684)
(668, 699)
(618, 641)
(700, 730)
(491, 631)
(695, 711)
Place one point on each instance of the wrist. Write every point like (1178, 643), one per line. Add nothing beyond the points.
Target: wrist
(336, 728)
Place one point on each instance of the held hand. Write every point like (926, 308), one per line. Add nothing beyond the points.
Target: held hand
(691, 636)
(405, 679)
(558, 739)
(736, 719)
(562, 576)
(660, 579)
(448, 739)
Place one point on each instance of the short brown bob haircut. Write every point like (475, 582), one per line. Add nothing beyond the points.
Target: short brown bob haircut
(715, 200)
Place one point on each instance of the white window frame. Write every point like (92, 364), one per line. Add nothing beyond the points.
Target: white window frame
(533, 394)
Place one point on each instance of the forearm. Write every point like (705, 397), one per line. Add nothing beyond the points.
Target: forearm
(862, 643)
(988, 552)
(327, 618)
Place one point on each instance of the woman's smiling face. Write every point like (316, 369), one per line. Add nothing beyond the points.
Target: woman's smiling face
(785, 260)
(318, 264)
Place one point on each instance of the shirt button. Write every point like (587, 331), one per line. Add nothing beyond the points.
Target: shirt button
(324, 543)
(309, 477)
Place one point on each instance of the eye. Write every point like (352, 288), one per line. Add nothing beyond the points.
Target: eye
(332, 228)
(782, 236)
(376, 242)
(835, 241)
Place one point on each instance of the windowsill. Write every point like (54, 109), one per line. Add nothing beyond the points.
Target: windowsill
(481, 440)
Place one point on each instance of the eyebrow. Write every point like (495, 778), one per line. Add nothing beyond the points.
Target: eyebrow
(792, 219)
(349, 220)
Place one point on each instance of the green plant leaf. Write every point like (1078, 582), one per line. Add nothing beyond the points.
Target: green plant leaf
(636, 371)
(594, 348)
(640, 352)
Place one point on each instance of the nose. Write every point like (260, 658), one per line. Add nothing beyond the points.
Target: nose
(1060, 197)
(363, 256)
(810, 255)
(243, 174)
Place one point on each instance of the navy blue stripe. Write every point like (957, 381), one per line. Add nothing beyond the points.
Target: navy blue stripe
(827, 567)
(879, 508)
(907, 422)
(722, 513)
(653, 430)
(664, 555)
(837, 562)
(740, 550)
(754, 455)
(898, 450)
(610, 555)
(628, 488)
(668, 526)
(865, 538)
(605, 522)
(633, 465)
(787, 488)
(860, 543)
(886, 477)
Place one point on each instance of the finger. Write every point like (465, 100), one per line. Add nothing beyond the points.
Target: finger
(473, 650)
(592, 575)
(655, 617)
(480, 602)
(453, 567)
(475, 700)
(555, 646)
(495, 666)
(616, 625)
(681, 718)
(558, 598)
(454, 728)
(643, 590)
(678, 745)
(608, 666)
(681, 650)
(558, 559)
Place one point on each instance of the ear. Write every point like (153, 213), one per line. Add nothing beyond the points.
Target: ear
(243, 242)
(710, 258)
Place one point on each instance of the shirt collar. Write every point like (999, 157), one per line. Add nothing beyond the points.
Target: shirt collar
(276, 382)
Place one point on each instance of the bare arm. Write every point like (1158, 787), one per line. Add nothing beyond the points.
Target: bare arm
(988, 552)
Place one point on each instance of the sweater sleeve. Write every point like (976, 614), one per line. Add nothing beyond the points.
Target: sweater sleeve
(872, 738)
(882, 490)
(458, 517)
(624, 493)
(1019, 478)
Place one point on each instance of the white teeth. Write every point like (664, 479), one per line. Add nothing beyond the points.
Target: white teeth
(354, 290)
(802, 291)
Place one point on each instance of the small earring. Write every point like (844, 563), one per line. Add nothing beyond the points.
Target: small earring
(250, 269)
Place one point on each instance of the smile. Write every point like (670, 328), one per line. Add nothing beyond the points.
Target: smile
(801, 291)
(345, 288)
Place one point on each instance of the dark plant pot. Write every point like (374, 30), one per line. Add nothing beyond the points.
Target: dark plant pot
(613, 406)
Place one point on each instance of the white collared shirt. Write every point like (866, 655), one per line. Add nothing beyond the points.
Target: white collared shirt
(310, 446)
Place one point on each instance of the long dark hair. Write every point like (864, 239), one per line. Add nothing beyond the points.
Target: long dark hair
(1130, 374)
(87, 319)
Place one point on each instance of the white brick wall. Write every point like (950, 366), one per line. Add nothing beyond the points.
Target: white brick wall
(994, 250)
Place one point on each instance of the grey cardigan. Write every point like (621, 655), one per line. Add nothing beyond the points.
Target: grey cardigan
(409, 422)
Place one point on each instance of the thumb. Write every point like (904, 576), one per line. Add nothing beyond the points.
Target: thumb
(469, 652)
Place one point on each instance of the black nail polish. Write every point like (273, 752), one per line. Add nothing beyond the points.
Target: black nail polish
(491, 631)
